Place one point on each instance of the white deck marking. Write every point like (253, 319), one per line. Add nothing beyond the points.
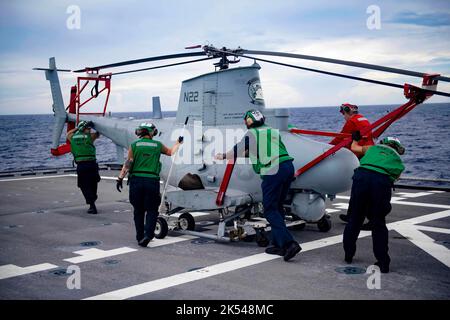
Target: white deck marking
(169, 240)
(410, 228)
(38, 177)
(11, 270)
(433, 229)
(407, 226)
(420, 204)
(341, 205)
(332, 210)
(207, 272)
(426, 243)
(94, 254)
(422, 219)
(413, 194)
(395, 200)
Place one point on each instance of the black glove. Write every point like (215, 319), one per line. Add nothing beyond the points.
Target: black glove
(119, 184)
(356, 135)
(180, 139)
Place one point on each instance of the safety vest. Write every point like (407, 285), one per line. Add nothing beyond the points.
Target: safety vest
(270, 150)
(359, 122)
(384, 160)
(146, 154)
(356, 122)
(82, 147)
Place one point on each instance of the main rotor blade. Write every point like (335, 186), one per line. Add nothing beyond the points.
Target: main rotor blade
(383, 83)
(47, 69)
(163, 66)
(343, 62)
(157, 58)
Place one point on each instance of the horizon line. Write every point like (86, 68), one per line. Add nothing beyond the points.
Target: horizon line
(301, 107)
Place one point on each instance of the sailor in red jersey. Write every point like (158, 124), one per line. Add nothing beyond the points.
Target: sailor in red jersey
(354, 122)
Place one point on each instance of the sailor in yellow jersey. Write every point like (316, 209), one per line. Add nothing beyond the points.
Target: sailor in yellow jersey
(144, 167)
(82, 146)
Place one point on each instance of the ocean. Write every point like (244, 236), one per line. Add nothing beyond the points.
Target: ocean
(25, 140)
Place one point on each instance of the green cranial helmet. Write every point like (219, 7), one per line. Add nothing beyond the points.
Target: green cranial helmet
(82, 125)
(256, 116)
(146, 128)
(393, 143)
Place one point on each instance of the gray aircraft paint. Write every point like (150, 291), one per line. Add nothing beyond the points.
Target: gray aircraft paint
(219, 100)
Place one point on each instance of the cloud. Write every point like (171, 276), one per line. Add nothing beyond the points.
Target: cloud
(116, 31)
(434, 19)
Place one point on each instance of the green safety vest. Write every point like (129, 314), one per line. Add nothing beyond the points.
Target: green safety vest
(384, 160)
(146, 154)
(270, 150)
(82, 147)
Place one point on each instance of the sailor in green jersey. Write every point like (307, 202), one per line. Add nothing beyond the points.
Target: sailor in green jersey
(272, 162)
(144, 167)
(370, 197)
(82, 146)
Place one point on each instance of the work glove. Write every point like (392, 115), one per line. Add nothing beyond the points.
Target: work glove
(356, 135)
(180, 139)
(119, 184)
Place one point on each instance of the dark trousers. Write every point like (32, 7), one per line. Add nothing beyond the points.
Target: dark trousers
(88, 179)
(371, 198)
(145, 198)
(275, 189)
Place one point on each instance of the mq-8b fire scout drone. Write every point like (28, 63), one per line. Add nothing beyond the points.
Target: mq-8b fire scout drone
(210, 106)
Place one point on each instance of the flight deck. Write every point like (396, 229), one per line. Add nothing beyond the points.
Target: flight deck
(47, 238)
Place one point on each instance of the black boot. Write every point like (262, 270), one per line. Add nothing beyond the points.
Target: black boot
(384, 267)
(343, 217)
(291, 250)
(144, 242)
(348, 258)
(275, 250)
(92, 209)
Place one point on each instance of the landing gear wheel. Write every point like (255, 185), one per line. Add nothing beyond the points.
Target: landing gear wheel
(261, 238)
(161, 228)
(186, 222)
(324, 224)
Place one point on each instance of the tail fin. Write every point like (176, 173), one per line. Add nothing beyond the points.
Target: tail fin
(156, 108)
(51, 74)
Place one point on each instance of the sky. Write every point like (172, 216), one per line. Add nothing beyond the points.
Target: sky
(413, 35)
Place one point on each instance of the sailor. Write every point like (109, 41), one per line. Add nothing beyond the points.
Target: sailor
(143, 164)
(354, 122)
(82, 146)
(370, 197)
(272, 162)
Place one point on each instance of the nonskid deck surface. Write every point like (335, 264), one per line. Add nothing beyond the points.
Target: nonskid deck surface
(44, 230)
